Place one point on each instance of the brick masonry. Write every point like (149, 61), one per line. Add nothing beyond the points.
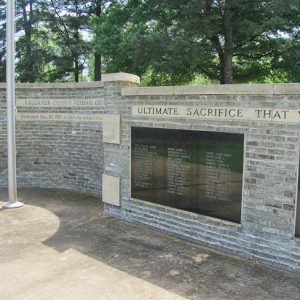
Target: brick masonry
(71, 155)
(56, 154)
(60, 153)
(266, 232)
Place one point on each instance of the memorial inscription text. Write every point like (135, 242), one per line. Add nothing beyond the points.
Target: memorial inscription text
(219, 113)
(195, 171)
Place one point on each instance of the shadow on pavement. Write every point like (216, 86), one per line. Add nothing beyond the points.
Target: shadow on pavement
(181, 267)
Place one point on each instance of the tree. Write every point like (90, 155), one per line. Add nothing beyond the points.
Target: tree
(28, 50)
(115, 35)
(229, 40)
(165, 42)
(33, 53)
(2, 40)
(290, 63)
(28, 20)
(30, 53)
(70, 23)
(53, 39)
(67, 22)
(96, 10)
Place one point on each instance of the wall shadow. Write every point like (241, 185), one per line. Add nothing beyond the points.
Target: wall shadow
(181, 267)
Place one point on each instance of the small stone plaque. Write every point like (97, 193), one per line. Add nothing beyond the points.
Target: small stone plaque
(111, 189)
(111, 129)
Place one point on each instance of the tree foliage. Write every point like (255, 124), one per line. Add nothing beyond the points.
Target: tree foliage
(67, 21)
(225, 40)
(32, 52)
(53, 39)
(165, 42)
(2, 40)
(290, 64)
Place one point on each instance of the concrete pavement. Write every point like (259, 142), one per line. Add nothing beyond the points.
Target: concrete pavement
(60, 245)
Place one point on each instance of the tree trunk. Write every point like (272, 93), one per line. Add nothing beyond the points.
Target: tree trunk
(77, 38)
(97, 55)
(29, 63)
(222, 68)
(97, 67)
(218, 47)
(228, 44)
(76, 69)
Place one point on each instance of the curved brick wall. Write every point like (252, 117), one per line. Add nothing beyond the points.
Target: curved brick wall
(62, 143)
(59, 133)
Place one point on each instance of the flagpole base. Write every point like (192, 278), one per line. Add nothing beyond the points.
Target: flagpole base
(12, 205)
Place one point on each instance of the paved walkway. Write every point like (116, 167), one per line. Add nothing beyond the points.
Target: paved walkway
(61, 246)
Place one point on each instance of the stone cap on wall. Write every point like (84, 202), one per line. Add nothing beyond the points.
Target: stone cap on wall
(121, 76)
(224, 89)
(112, 77)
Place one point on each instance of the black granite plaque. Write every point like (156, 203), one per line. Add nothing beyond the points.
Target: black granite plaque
(197, 171)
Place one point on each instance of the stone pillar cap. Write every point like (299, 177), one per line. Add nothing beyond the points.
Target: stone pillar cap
(121, 76)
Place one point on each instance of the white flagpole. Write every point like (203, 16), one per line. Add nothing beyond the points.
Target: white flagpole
(10, 100)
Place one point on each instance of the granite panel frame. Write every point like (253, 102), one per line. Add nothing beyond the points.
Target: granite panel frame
(195, 171)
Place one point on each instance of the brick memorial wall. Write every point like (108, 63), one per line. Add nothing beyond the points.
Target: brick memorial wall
(261, 225)
(218, 165)
(59, 133)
